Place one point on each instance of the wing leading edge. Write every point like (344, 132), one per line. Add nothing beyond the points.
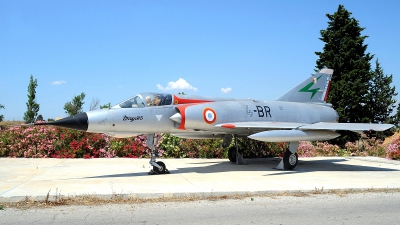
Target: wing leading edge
(286, 132)
(356, 127)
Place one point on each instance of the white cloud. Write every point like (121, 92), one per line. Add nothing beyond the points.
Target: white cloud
(180, 84)
(226, 90)
(58, 82)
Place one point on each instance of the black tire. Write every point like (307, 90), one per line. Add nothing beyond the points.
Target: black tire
(232, 154)
(290, 160)
(159, 171)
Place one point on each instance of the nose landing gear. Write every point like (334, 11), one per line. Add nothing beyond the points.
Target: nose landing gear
(158, 167)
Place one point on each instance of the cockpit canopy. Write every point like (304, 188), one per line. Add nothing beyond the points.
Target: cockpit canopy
(149, 99)
(146, 100)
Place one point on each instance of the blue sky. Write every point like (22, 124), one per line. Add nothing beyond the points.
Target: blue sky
(111, 50)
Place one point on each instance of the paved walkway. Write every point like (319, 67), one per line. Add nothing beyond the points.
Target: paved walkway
(189, 177)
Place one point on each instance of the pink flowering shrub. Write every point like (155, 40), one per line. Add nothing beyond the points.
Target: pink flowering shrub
(306, 149)
(55, 142)
(134, 147)
(352, 148)
(393, 150)
(23, 141)
(326, 149)
(313, 149)
(370, 147)
(374, 147)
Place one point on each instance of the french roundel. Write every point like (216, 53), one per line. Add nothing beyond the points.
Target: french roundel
(209, 115)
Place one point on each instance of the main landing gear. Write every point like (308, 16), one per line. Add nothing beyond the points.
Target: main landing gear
(233, 152)
(158, 167)
(290, 158)
(289, 161)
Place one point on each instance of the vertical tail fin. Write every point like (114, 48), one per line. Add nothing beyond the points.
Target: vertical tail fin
(313, 89)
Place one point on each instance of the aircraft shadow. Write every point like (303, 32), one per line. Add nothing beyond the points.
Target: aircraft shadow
(262, 164)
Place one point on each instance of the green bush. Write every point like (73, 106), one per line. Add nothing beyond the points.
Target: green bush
(175, 147)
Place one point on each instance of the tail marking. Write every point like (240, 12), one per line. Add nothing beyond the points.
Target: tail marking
(307, 88)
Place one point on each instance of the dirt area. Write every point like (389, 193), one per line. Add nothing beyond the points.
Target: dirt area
(389, 140)
(11, 123)
(89, 200)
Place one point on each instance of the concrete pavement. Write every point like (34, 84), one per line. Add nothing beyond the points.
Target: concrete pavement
(34, 178)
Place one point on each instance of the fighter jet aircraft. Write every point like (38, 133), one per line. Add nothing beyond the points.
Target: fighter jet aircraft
(301, 114)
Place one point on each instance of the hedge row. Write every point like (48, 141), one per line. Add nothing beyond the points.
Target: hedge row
(56, 142)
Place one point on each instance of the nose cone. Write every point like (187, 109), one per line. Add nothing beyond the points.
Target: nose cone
(76, 122)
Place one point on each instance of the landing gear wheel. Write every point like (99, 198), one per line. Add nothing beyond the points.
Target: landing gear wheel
(156, 170)
(290, 160)
(232, 154)
(159, 170)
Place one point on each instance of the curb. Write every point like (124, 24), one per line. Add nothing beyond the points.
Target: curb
(192, 195)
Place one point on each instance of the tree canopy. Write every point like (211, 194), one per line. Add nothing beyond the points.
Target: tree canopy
(75, 106)
(106, 106)
(381, 101)
(355, 87)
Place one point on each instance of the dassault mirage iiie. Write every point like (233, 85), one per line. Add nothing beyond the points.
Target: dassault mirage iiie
(301, 114)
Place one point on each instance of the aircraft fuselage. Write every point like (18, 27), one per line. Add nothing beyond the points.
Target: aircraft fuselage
(198, 117)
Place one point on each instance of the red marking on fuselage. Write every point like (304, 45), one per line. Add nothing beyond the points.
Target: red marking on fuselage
(229, 126)
(327, 91)
(178, 100)
(182, 111)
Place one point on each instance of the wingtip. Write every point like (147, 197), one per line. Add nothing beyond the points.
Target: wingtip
(326, 71)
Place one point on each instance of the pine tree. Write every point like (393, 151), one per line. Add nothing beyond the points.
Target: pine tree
(345, 52)
(381, 100)
(32, 107)
(75, 107)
